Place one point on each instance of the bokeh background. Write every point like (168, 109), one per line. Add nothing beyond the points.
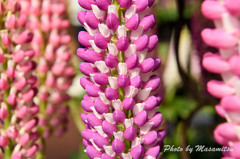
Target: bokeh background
(188, 110)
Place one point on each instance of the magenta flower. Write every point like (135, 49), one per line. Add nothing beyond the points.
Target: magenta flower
(19, 135)
(120, 83)
(225, 37)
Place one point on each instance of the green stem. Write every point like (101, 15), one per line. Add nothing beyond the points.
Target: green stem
(7, 153)
(39, 155)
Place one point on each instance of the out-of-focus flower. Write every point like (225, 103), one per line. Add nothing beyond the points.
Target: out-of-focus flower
(123, 120)
(225, 37)
(54, 69)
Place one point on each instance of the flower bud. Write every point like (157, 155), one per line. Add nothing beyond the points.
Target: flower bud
(101, 41)
(111, 60)
(148, 22)
(141, 42)
(93, 152)
(119, 116)
(83, 38)
(108, 128)
(103, 4)
(111, 94)
(118, 146)
(99, 140)
(112, 21)
(141, 5)
(137, 151)
(92, 20)
(122, 43)
(130, 133)
(133, 22)
(141, 118)
(224, 40)
(101, 107)
(213, 10)
(86, 4)
(219, 89)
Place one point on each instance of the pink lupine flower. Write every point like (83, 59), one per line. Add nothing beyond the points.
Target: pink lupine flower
(122, 119)
(17, 83)
(55, 71)
(225, 37)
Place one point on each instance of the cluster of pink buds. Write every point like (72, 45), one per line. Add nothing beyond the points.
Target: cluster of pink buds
(123, 121)
(19, 136)
(225, 37)
(50, 42)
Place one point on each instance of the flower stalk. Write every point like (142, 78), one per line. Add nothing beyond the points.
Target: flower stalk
(121, 101)
(35, 73)
(54, 69)
(224, 37)
(18, 136)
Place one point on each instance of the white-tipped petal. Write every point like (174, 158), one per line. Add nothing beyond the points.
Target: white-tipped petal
(146, 128)
(14, 120)
(130, 11)
(103, 98)
(95, 48)
(118, 135)
(117, 104)
(144, 94)
(126, 156)
(112, 9)
(11, 63)
(112, 49)
(121, 31)
(102, 66)
(103, 29)
(138, 108)
(100, 131)
(230, 23)
(96, 147)
(98, 12)
(128, 122)
(131, 50)
(13, 90)
(91, 77)
(90, 30)
(137, 33)
(113, 82)
(142, 55)
(99, 116)
(109, 151)
(137, 141)
(134, 72)
(122, 69)
(109, 117)
(130, 91)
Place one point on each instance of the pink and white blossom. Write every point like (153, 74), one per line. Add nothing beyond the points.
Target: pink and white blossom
(121, 101)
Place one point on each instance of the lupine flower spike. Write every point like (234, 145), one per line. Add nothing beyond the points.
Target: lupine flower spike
(54, 69)
(122, 119)
(225, 37)
(18, 136)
